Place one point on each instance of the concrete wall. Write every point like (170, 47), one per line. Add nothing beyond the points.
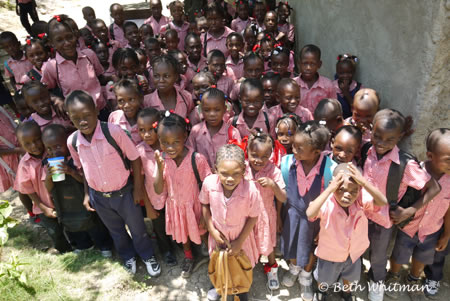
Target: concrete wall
(404, 51)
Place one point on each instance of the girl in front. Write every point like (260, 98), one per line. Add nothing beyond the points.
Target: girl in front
(231, 206)
(177, 175)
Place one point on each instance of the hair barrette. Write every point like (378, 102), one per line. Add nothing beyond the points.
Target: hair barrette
(187, 120)
(57, 17)
(167, 114)
(323, 122)
(171, 111)
(213, 86)
(89, 46)
(28, 41)
(42, 35)
(155, 124)
(308, 128)
(256, 47)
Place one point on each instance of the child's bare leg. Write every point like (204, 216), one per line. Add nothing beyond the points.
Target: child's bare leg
(416, 268)
(312, 260)
(271, 258)
(395, 267)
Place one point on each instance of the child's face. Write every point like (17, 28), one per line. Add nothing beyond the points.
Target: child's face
(235, 46)
(153, 50)
(102, 53)
(24, 110)
(242, 10)
(177, 12)
(128, 68)
(347, 193)
(440, 157)
(344, 147)
(213, 110)
(259, 154)
(146, 130)
(182, 61)
(118, 15)
(271, 22)
(200, 84)
(333, 120)
(172, 140)
(37, 55)
(266, 50)
(55, 145)
(215, 22)
(64, 41)
(259, 12)
(89, 15)
(253, 68)
(83, 117)
(31, 141)
(142, 63)
(249, 37)
(129, 101)
(309, 65)
(132, 35)
(87, 36)
(279, 63)
(283, 13)
(216, 66)
(289, 97)
(383, 138)
(285, 134)
(202, 25)
(363, 113)
(164, 77)
(302, 148)
(101, 31)
(171, 42)
(345, 71)
(270, 88)
(193, 48)
(230, 173)
(252, 101)
(12, 47)
(39, 100)
(145, 32)
(156, 8)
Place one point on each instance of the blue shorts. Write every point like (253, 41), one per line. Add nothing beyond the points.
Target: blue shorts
(329, 272)
(405, 247)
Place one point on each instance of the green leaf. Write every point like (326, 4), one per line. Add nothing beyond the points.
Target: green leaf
(23, 278)
(5, 208)
(2, 219)
(10, 222)
(3, 236)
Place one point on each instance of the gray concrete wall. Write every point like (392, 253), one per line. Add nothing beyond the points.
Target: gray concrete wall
(404, 51)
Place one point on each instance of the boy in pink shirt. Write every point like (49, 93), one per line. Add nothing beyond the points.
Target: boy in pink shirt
(243, 19)
(177, 11)
(343, 236)
(313, 86)
(193, 48)
(88, 16)
(115, 29)
(30, 181)
(216, 36)
(157, 20)
(216, 65)
(106, 155)
(235, 61)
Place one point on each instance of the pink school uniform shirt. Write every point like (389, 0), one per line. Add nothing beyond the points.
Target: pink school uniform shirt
(201, 141)
(342, 235)
(430, 217)
(43, 123)
(183, 209)
(235, 71)
(7, 140)
(219, 43)
(305, 181)
(229, 216)
(156, 26)
(19, 68)
(119, 35)
(322, 88)
(266, 227)
(30, 178)
(238, 25)
(25, 78)
(302, 112)
(225, 84)
(149, 167)
(376, 172)
(182, 32)
(102, 166)
(184, 102)
(118, 117)
(289, 30)
(260, 122)
(80, 76)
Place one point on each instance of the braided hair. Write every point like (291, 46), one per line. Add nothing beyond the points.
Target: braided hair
(230, 152)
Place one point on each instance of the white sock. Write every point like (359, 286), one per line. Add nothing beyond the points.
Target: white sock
(294, 269)
(305, 274)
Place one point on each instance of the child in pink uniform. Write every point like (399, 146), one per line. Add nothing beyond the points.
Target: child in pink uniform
(115, 29)
(284, 11)
(231, 206)
(282, 61)
(182, 27)
(100, 31)
(253, 68)
(182, 67)
(9, 151)
(235, 62)
(129, 102)
(270, 82)
(167, 95)
(37, 97)
(329, 112)
(37, 53)
(271, 186)
(131, 33)
(209, 135)
(313, 87)
(216, 36)
(157, 20)
(285, 128)
(216, 65)
(193, 49)
(243, 19)
(177, 174)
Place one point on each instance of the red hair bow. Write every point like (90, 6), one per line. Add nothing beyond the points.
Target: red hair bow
(278, 152)
(256, 47)
(187, 120)
(242, 144)
(28, 42)
(42, 35)
(277, 45)
(213, 86)
(57, 17)
(171, 111)
(155, 124)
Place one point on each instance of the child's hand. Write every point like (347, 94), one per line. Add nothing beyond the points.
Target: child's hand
(400, 214)
(159, 160)
(48, 212)
(336, 182)
(344, 85)
(266, 182)
(151, 212)
(279, 225)
(217, 237)
(58, 106)
(234, 248)
(87, 204)
(441, 244)
(356, 174)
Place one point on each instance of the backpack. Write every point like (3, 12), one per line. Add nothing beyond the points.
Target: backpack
(194, 167)
(394, 179)
(111, 141)
(111, 31)
(266, 121)
(286, 163)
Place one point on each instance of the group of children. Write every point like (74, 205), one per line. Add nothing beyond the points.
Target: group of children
(207, 129)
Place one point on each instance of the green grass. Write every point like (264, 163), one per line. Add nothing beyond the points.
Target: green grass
(10, 5)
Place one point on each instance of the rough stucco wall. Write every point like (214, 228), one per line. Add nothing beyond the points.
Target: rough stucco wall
(404, 51)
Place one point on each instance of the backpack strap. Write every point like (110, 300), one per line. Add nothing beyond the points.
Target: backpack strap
(330, 165)
(286, 163)
(395, 176)
(194, 167)
(8, 68)
(235, 119)
(266, 120)
(105, 129)
(205, 43)
(111, 31)
(34, 75)
(364, 150)
(74, 141)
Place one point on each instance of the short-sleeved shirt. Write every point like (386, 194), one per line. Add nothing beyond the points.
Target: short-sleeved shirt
(156, 26)
(102, 166)
(239, 25)
(302, 112)
(219, 43)
(80, 76)
(289, 30)
(377, 171)
(305, 181)
(118, 117)
(342, 235)
(8, 140)
(235, 71)
(225, 84)
(201, 141)
(19, 68)
(310, 97)
(55, 120)
(119, 35)
(184, 102)
(260, 122)
(182, 32)
(30, 178)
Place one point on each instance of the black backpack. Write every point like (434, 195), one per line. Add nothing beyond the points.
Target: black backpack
(194, 167)
(394, 179)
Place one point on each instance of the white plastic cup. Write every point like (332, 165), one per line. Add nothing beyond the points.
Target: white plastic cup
(58, 175)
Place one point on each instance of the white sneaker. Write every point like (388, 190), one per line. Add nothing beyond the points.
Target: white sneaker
(272, 279)
(431, 288)
(306, 288)
(376, 291)
(213, 295)
(130, 265)
(153, 267)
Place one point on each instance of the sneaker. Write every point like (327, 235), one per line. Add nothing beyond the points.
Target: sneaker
(431, 288)
(170, 259)
(306, 288)
(106, 253)
(376, 291)
(392, 282)
(320, 296)
(347, 296)
(153, 267)
(79, 251)
(415, 289)
(289, 278)
(187, 267)
(204, 250)
(130, 265)
(213, 295)
(272, 279)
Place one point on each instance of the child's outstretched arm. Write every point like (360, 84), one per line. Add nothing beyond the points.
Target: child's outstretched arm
(86, 200)
(280, 194)
(314, 206)
(206, 213)
(139, 192)
(379, 198)
(236, 245)
(48, 212)
(445, 235)
(158, 184)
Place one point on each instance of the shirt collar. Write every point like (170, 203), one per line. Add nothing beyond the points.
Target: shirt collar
(23, 58)
(239, 191)
(230, 61)
(260, 116)
(392, 155)
(41, 121)
(320, 82)
(60, 59)
(338, 90)
(98, 135)
(225, 33)
(222, 130)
